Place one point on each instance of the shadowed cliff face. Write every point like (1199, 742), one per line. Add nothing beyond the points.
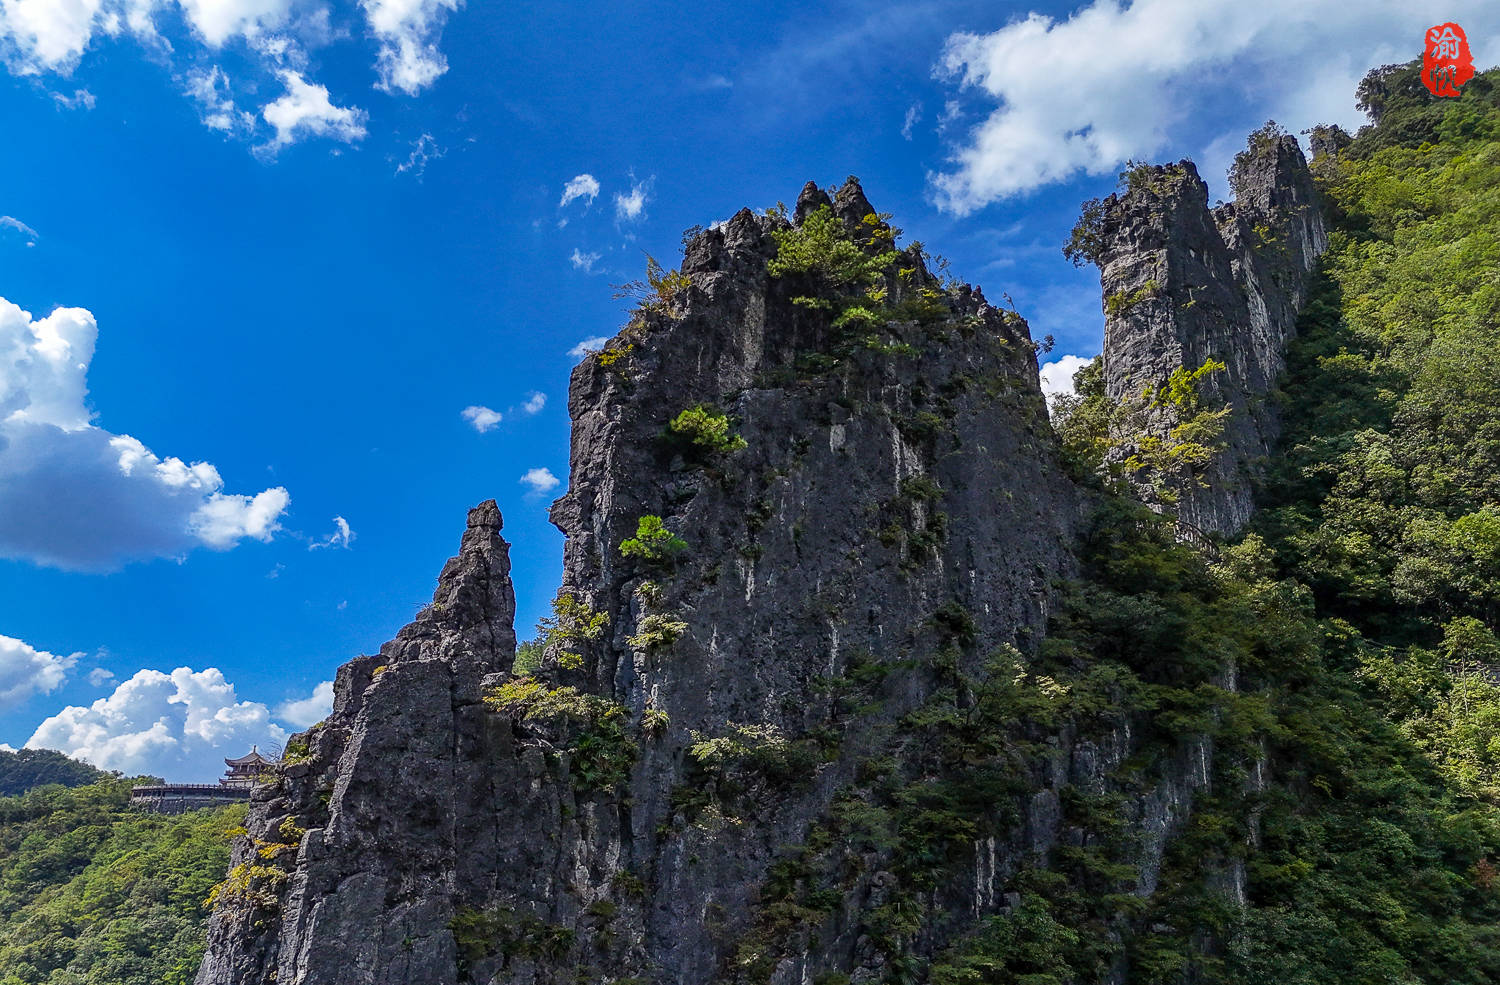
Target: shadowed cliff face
(888, 476)
(1184, 283)
(882, 515)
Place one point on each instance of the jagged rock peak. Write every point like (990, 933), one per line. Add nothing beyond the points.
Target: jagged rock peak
(1183, 284)
(474, 597)
(809, 201)
(357, 850)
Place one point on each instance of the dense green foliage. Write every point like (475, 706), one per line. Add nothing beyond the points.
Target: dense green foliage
(857, 277)
(1387, 501)
(653, 543)
(26, 768)
(94, 893)
(705, 431)
(594, 731)
(572, 624)
(1355, 768)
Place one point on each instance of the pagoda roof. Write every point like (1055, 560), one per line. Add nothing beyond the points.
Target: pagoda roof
(252, 758)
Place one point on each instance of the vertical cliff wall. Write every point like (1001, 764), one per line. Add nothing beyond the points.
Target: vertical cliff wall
(897, 485)
(1183, 283)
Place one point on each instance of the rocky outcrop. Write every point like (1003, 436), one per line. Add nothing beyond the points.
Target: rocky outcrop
(389, 810)
(815, 504)
(893, 482)
(1183, 283)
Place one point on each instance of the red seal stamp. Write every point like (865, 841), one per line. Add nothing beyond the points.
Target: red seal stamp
(1446, 61)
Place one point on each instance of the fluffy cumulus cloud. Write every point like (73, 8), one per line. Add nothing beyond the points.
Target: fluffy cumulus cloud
(1057, 375)
(270, 41)
(534, 403)
(587, 346)
(481, 418)
(217, 21)
(73, 495)
(306, 110)
(1113, 82)
(302, 712)
(180, 726)
(540, 480)
(408, 31)
(584, 186)
(25, 670)
(584, 261)
(38, 36)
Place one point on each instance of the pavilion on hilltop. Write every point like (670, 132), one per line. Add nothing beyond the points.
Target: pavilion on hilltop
(235, 785)
(245, 771)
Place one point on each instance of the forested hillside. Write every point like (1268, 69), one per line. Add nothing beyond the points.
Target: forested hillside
(26, 768)
(94, 893)
(1361, 611)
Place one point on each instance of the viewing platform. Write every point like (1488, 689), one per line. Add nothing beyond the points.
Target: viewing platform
(179, 798)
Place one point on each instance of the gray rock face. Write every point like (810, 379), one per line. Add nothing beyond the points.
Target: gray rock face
(382, 815)
(420, 837)
(876, 487)
(1183, 284)
(896, 502)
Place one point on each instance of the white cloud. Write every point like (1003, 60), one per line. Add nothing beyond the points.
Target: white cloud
(100, 676)
(38, 36)
(27, 233)
(7, 747)
(73, 495)
(408, 32)
(588, 345)
(217, 21)
(632, 206)
(482, 418)
(310, 710)
(540, 480)
(534, 403)
(1057, 375)
(269, 40)
(341, 536)
(306, 111)
(423, 150)
(1114, 82)
(46, 35)
(25, 670)
(180, 726)
(582, 186)
(210, 89)
(913, 116)
(584, 261)
(80, 99)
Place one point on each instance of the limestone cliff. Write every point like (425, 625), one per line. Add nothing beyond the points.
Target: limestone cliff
(767, 604)
(1183, 283)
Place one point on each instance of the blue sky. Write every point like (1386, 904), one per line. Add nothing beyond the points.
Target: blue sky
(333, 259)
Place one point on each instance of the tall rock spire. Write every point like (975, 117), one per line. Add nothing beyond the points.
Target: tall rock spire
(378, 815)
(1183, 283)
